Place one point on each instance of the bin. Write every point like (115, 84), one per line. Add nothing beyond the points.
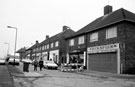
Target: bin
(25, 66)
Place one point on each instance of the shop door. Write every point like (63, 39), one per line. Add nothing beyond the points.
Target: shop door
(104, 62)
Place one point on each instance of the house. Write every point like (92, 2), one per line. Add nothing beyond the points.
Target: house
(34, 51)
(52, 48)
(107, 44)
(22, 53)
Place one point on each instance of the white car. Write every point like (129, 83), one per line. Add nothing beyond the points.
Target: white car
(50, 65)
(27, 60)
(12, 62)
(2, 61)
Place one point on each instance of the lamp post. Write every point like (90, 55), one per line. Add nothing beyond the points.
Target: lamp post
(8, 48)
(15, 40)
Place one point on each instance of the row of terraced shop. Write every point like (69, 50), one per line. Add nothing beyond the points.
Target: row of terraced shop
(107, 44)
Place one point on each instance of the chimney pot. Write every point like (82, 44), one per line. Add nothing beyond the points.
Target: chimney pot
(107, 9)
(47, 36)
(36, 41)
(65, 28)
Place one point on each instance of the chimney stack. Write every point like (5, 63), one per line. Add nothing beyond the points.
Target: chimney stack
(107, 9)
(65, 28)
(36, 41)
(47, 37)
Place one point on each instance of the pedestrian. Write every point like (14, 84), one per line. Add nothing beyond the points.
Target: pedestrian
(35, 64)
(41, 64)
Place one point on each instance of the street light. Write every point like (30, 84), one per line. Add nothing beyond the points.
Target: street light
(15, 40)
(8, 48)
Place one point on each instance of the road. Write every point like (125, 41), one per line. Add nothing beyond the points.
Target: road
(56, 78)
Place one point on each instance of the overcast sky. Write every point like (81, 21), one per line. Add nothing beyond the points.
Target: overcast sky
(35, 19)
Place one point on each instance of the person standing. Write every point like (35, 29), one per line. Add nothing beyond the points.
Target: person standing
(35, 65)
(41, 64)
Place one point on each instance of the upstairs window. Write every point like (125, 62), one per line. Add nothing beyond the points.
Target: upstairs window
(51, 45)
(47, 46)
(56, 43)
(71, 42)
(111, 32)
(43, 48)
(81, 40)
(94, 37)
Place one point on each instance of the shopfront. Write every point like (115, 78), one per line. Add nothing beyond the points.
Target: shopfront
(38, 56)
(54, 56)
(104, 58)
(77, 56)
(45, 56)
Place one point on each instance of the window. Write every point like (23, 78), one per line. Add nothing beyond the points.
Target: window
(111, 32)
(56, 44)
(71, 42)
(81, 40)
(94, 37)
(43, 48)
(51, 45)
(33, 50)
(47, 46)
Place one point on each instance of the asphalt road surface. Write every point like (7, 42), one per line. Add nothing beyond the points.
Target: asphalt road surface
(56, 78)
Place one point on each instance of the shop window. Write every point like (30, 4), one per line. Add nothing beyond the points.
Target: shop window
(81, 40)
(111, 32)
(94, 37)
(71, 42)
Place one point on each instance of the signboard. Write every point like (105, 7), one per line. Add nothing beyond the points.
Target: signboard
(103, 48)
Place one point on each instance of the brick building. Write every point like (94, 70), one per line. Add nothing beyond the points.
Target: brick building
(52, 48)
(107, 44)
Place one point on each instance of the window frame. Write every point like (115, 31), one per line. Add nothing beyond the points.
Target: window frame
(56, 43)
(81, 40)
(71, 42)
(95, 35)
(111, 32)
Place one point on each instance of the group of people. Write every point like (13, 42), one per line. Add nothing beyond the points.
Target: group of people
(38, 63)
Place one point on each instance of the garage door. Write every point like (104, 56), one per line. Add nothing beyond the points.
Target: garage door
(104, 62)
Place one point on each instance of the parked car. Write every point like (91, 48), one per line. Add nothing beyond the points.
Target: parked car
(50, 65)
(2, 61)
(12, 62)
(27, 60)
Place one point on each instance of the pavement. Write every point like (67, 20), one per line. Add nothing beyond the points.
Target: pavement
(106, 74)
(20, 78)
(5, 77)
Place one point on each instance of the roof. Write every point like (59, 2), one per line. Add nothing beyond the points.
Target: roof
(21, 50)
(106, 20)
(33, 46)
(63, 34)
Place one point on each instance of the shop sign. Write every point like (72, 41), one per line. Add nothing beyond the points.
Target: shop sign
(103, 48)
